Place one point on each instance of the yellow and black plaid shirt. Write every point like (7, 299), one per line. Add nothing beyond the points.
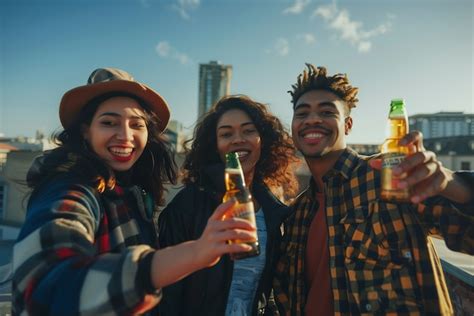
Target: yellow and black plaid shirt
(381, 259)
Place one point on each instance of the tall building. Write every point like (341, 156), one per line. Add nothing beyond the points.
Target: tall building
(214, 83)
(175, 135)
(443, 124)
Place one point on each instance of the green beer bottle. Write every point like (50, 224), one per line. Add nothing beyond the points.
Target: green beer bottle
(393, 153)
(235, 188)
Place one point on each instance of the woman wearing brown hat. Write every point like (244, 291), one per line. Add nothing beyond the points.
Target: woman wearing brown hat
(87, 244)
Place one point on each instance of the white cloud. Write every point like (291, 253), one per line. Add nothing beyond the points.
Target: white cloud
(325, 11)
(364, 46)
(348, 29)
(185, 6)
(182, 58)
(297, 7)
(165, 50)
(282, 47)
(308, 38)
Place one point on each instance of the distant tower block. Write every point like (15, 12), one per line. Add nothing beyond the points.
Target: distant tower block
(214, 83)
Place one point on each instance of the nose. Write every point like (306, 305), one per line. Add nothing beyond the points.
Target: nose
(238, 138)
(313, 118)
(124, 133)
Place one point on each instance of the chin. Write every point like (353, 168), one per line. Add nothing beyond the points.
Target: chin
(311, 154)
(121, 168)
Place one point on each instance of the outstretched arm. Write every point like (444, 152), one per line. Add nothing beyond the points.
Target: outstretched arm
(58, 270)
(174, 263)
(429, 183)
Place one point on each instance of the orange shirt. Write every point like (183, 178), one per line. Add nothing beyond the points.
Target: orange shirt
(318, 279)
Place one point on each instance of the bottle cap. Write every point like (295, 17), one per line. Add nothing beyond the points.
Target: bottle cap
(396, 102)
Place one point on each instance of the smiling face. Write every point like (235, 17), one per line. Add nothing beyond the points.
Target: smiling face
(118, 132)
(236, 132)
(320, 124)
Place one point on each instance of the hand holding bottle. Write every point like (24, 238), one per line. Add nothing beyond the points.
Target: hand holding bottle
(244, 209)
(425, 175)
(213, 242)
(173, 263)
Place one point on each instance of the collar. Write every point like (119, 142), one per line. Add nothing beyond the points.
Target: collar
(344, 165)
(211, 178)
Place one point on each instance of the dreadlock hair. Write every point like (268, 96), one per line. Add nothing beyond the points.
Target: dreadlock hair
(274, 167)
(316, 78)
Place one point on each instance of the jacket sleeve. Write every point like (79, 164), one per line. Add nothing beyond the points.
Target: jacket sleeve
(57, 270)
(175, 226)
(453, 221)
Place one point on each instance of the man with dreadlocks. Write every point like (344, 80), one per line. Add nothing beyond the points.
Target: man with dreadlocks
(347, 252)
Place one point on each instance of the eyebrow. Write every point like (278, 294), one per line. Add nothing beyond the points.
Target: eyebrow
(242, 125)
(118, 115)
(328, 104)
(323, 104)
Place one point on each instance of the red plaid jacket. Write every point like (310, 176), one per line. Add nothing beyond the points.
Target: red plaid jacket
(83, 253)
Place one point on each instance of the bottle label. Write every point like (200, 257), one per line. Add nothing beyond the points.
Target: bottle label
(389, 181)
(391, 160)
(245, 211)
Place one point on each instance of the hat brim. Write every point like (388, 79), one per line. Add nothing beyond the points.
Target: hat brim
(75, 99)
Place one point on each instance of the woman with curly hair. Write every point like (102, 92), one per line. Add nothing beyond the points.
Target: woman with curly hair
(243, 287)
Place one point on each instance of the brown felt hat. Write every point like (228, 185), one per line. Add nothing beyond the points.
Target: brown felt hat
(106, 80)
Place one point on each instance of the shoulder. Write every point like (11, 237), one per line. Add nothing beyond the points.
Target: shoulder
(185, 195)
(64, 189)
(363, 168)
(190, 197)
(304, 194)
(271, 204)
(63, 183)
(62, 198)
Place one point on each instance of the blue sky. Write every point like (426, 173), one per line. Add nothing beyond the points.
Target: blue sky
(421, 50)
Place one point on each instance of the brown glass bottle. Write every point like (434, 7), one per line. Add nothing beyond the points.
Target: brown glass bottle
(235, 188)
(393, 153)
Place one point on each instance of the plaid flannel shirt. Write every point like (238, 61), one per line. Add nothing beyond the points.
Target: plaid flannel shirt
(381, 260)
(83, 253)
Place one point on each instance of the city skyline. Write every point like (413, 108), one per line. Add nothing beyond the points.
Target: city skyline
(419, 50)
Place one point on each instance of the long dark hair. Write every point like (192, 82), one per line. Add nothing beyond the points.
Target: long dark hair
(155, 167)
(277, 151)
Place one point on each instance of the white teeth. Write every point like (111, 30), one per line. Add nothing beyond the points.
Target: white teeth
(242, 153)
(120, 151)
(314, 135)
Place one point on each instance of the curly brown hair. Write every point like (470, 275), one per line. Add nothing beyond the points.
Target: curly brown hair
(274, 167)
(316, 78)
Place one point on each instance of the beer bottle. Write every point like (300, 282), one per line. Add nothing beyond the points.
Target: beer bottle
(235, 188)
(393, 153)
